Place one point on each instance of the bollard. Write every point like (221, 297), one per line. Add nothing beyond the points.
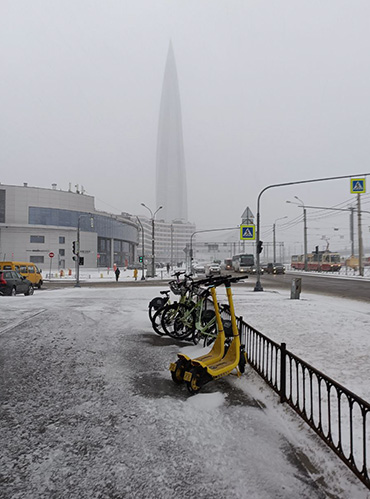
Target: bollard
(296, 289)
(61, 273)
(69, 271)
(101, 276)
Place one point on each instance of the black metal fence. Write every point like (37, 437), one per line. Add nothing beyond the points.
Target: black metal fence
(338, 416)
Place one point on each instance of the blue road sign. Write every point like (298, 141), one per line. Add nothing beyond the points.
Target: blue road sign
(248, 232)
(358, 186)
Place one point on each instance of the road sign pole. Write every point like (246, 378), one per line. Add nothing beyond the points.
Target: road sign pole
(51, 255)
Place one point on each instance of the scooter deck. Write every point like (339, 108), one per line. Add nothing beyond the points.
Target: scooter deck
(207, 359)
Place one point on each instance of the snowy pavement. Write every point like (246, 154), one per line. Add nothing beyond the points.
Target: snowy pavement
(88, 408)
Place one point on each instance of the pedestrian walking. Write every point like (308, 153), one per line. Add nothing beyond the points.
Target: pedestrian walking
(117, 272)
(168, 268)
(135, 274)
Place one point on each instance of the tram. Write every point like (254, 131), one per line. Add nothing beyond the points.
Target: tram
(321, 261)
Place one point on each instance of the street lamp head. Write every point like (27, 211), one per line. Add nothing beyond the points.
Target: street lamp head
(300, 200)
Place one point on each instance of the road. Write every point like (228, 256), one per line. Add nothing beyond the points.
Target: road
(356, 289)
(353, 288)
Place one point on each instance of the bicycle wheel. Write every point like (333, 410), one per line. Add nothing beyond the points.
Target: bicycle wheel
(156, 304)
(184, 324)
(168, 318)
(157, 322)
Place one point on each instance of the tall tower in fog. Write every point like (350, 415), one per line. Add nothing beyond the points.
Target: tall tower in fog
(170, 176)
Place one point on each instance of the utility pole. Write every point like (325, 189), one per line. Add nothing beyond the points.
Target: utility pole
(360, 251)
(274, 237)
(305, 238)
(352, 231)
(171, 247)
(304, 233)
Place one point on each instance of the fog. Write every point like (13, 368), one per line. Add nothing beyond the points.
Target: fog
(271, 92)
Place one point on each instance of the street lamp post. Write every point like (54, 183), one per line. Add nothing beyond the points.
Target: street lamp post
(304, 232)
(77, 285)
(171, 247)
(153, 248)
(142, 250)
(274, 235)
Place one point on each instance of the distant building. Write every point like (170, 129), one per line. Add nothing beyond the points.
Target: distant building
(171, 176)
(35, 222)
(171, 239)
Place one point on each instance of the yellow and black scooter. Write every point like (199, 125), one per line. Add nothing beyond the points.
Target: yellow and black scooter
(183, 363)
(200, 372)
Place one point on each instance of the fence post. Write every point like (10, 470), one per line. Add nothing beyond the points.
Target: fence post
(282, 372)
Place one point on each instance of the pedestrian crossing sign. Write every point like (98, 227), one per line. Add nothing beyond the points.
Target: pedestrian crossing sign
(248, 232)
(358, 186)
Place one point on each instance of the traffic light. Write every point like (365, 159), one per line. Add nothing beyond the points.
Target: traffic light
(81, 260)
(317, 250)
(140, 259)
(74, 248)
(259, 246)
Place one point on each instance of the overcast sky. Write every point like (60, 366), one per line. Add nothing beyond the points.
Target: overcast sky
(271, 92)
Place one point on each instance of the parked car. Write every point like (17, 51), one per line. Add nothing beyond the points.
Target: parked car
(275, 268)
(198, 268)
(12, 283)
(212, 269)
(26, 269)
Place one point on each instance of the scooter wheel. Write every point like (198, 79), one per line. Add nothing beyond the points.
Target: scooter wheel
(178, 373)
(194, 384)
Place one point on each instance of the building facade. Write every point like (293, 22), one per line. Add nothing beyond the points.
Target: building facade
(171, 241)
(37, 222)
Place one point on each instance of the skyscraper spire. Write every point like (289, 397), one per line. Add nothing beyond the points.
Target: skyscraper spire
(170, 174)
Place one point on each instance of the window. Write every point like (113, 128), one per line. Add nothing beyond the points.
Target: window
(62, 252)
(23, 269)
(37, 239)
(62, 240)
(31, 270)
(37, 259)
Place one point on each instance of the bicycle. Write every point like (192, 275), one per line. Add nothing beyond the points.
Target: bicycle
(179, 320)
(158, 302)
(158, 305)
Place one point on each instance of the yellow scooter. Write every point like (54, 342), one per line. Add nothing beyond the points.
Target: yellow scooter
(216, 366)
(179, 368)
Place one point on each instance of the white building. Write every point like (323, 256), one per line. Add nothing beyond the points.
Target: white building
(171, 241)
(36, 222)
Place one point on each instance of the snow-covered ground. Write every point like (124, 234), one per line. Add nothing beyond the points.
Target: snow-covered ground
(89, 410)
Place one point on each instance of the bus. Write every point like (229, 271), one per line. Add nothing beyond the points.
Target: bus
(323, 261)
(243, 263)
